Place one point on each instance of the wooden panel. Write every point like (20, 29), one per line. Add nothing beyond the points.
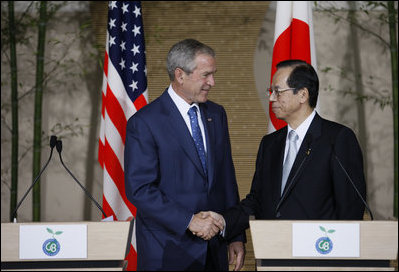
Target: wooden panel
(9, 242)
(273, 241)
(106, 240)
(378, 239)
(313, 268)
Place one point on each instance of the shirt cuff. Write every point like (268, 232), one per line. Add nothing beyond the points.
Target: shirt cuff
(222, 232)
(190, 221)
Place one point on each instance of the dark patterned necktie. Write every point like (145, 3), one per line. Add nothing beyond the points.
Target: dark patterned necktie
(197, 136)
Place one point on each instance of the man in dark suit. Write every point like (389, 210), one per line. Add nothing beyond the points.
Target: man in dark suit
(298, 174)
(177, 163)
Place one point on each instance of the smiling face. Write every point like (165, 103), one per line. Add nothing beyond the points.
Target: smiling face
(194, 87)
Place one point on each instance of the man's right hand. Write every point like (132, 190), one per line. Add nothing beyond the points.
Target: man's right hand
(205, 225)
(215, 216)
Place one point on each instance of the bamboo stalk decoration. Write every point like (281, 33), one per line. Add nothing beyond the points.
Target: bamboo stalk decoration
(14, 109)
(38, 108)
(394, 66)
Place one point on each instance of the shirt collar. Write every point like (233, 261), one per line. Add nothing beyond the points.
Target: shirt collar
(303, 128)
(181, 104)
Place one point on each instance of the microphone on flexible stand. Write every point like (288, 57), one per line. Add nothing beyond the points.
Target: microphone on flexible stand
(352, 183)
(59, 149)
(53, 141)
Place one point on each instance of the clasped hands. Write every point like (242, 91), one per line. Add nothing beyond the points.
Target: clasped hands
(206, 224)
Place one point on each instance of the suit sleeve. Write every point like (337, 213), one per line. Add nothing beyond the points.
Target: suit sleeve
(349, 205)
(237, 217)
(142, 178)
(233, 197)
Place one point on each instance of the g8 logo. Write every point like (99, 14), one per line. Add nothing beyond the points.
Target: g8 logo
(51, 247)
(324, 245)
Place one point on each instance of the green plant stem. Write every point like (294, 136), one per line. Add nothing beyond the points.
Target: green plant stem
(394, 66)
(38, 108)
(14, 110)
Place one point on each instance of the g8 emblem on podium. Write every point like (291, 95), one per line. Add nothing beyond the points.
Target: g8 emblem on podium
(51, 247)
(324, 245)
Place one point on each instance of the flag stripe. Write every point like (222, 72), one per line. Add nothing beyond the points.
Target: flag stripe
(116, 85)
(107, 208)
(116, 114)
(114, 140)
(101, 153)
(106, 58)
(140, 102)
(124, 91)
(132, 254)
(116, 173)
(103, 97)
(115, 200)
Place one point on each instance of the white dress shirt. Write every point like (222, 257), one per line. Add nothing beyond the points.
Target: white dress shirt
(183, 108)
(300, 131)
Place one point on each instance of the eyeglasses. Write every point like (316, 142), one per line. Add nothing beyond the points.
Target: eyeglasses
(277, 92)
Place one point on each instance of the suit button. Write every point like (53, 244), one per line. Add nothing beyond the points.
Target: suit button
(278, 215)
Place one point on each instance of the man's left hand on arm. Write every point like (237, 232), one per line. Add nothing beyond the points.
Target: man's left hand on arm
(237, 253)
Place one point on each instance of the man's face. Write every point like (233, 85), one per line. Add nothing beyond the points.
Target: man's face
(196, 85)
(286, 104)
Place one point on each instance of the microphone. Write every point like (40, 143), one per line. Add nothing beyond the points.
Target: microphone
(59, 149)
(286, 190)
(351, 181)
(53, 141)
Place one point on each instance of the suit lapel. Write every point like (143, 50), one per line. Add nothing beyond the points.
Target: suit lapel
(179, 129)
(209, 126)
(277, 163)
(303, 155)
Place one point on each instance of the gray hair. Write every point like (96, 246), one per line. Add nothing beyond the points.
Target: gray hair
(182, 56)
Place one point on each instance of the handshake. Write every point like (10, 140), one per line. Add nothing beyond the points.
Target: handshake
(206, 224)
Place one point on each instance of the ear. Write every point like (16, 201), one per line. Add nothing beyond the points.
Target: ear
(304, 95)
(179, 75)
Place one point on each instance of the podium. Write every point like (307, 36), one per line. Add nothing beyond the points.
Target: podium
(107, 246)
(273, 247)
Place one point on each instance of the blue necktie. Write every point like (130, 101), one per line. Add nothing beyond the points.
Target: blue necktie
(197, 136)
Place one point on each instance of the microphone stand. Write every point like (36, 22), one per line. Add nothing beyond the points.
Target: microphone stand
(59, 149)
(53, 141)
(354, 186)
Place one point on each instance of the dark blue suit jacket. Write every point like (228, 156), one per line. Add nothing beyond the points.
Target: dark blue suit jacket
(164, 179)
(317, 187)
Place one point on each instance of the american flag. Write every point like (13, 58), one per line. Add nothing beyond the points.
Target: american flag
(124, 92)
(293, 39)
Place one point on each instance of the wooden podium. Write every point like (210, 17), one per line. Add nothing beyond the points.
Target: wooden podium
(107, 245)
(273, 247)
